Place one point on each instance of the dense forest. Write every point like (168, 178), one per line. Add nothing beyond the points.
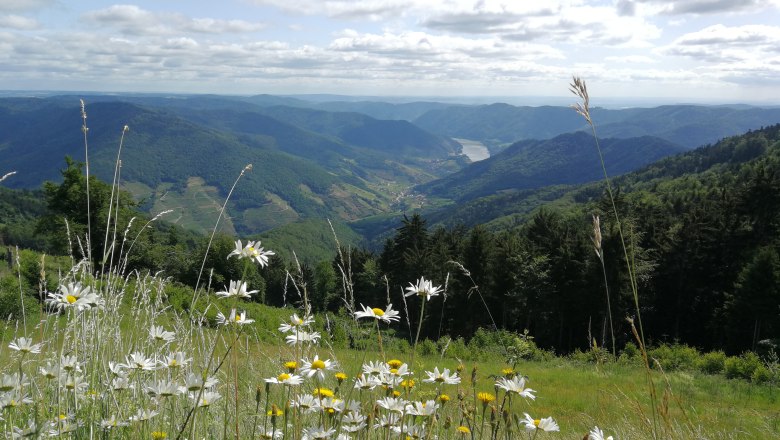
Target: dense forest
(701, 230)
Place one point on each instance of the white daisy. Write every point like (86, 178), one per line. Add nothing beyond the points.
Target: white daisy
(234, 319)
(163, 388)
(423, 409)
(317, 433)
(366, 382)
(159, 334)
(306, 403)
(74, 295)
(25, 345)
(597, 434)
(237, 289)
(388, 315)
(444, 377)
(206, 398)
(286, 379)
(423, 288)
(143, 415)
(137, 361)
(546, 424)
(253, 251)
(316, 366)
(392, 404)
(302, 337)
(176, 359)
(387, 421)
(194, 382)
(516, 385)
(295, 323)
(111, 423)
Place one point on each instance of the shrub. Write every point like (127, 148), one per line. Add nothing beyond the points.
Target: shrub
(743, 366)
(675, 357)
(427, 348)
(712, 363)
(761, 375)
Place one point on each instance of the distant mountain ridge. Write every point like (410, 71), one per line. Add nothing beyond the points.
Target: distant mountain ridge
(564, 160)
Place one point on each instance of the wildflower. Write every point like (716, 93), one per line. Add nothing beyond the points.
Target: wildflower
(407, 384)
(389, 380)
(237, 289)
(442, 377)
(253, 251)
(394, 363)
(392, 404)
(423, 288)
(322, 392)
(423, 409)
(176, 359)
(485, 398)
(162, 388)
(137, 361)
(31, 431)
(286, 379)
(509, 373)
(331, 405)
(194, 382)
(70, 363)
(158, 333)
(411, 431)
(316, 366)
(74, 295)
(271, 434)
(388, 315)
(295, 323)
(237, 319)
(387, 421)
(444, 398)
(121, 383)
(318, 433)
(206, 398)
(64, 425)
(111, 423)
(546, 424)
(10, 382)
(25, 345)
(291, 366)
(375, 368)
(306, 403)
(463, 430)
(597, 434)
(275, 411)
(353, 422)
(143, 415)
(340, 377)
(516, 385)
(157, 435)
(116, 369)
(50, 371)
(365, 382)
(14, 399)
(74, 382)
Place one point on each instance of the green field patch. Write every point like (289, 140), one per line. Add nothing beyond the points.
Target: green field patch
(197, 207)
(273, 213)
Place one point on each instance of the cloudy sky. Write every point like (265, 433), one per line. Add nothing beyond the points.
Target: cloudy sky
(692, 50)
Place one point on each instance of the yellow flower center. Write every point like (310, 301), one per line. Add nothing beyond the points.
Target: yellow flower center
(71, 299)
(536, 422)
(63, 416)
(318, 364)
(394, 363)
(238, 317)
(173, 363)
(378, 312)
(300, 321)
(282, 377)
(394, 371)
(159, 435)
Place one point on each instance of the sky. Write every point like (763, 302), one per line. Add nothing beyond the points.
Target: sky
(678, 51)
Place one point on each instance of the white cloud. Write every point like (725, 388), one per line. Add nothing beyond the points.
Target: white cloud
(18, 22)
(373, 10)
(24, 5)
(132, 20)
(700, 7)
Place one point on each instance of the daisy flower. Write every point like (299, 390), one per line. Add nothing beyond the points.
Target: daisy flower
(306, 403)
(237, 319)
(353, 422)
(74, 382)
(295, 323)
(423, 288)
(375, 368)
(301, 337)
(143, 415)
(388, 315)
(70, 363)
(597, 434)
(74, 295)
(14, 399)
(162, 388)
(50, 371)
(546, 424)
(137, 361)
(387, 421)
(423, 409)
(194, 382)
(206, 398)
(318, 433)
(516, 385)
(332, 405)
(442, 377)
(237, 289)
(25, 345)
(31, 431)
(366, 382)
(111, 423)
(253, 251)
(176, 359)
(158, 333)
(392, 404)
(286, 379)
(10, 382)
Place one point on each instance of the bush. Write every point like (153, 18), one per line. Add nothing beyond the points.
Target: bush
(712, 363)
(11, 302)
(761, 375)
(742, 367)
(427, 348)
(675, 357)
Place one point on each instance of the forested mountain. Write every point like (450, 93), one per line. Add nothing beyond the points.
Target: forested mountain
(184, 154)
(687, 125)
(566, 159)
(703, 236)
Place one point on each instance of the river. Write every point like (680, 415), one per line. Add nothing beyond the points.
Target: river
(473, 149)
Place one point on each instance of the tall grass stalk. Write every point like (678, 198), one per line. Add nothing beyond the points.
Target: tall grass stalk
(578, 88)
